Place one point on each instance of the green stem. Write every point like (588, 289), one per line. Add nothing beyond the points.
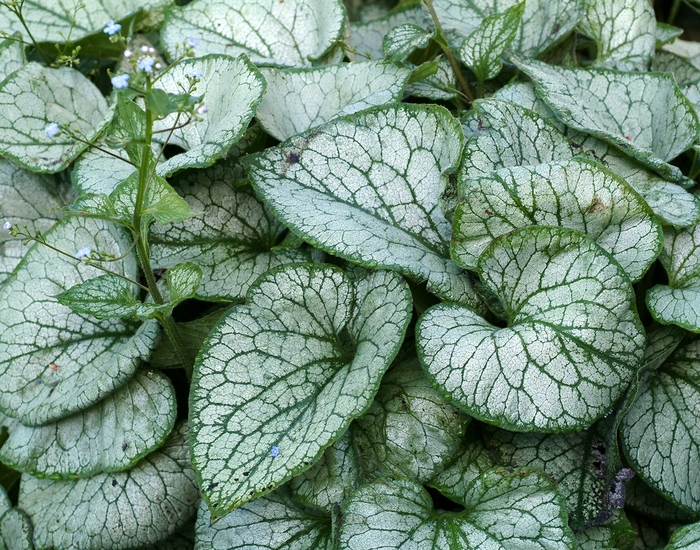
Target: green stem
(448, 52)
(18, 13)
(174, 335)
(674, 11)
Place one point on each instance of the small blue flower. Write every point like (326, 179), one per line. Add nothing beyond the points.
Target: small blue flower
(82, 253)
(112, 28)
(52, 130)
(192, 42)
(7, 226)
(145, 64)
(120, 81)
(202, 109)
(275, 450)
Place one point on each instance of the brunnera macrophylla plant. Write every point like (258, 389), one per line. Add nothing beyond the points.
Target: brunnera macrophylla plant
(307, 274)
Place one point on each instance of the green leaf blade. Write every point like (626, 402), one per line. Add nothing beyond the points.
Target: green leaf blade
(284, 348)
(572, 345)
(375, 205)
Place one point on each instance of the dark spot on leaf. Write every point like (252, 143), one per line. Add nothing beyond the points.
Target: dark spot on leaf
(292, 158)
(246, 473)
(596, 206)
(212, 486)
(236, 479)
(114, 482)
(488, 212)
(252, 493)
(575, 145)
(125, 446)
(557, 28)
(441, 502)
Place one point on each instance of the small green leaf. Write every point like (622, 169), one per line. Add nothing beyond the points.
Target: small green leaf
(326, 93)
(272, 522)
(624, 32)
(104, 297)
(368, 36)
(576, 194)
(441, 84)
(37, 333)
(410, 430)
(366, 188)
(504, 509)
(158, 496)
(110, 436)
(183, 281)
(544, 22)
(401, 40)
(233, 240)
(292, 33)
(678, 302)
(423, 71)
(572, 343)
(310, 344)
(660, 435)
(34, 97)
(666, 34)
(662, 125)
(482, 49)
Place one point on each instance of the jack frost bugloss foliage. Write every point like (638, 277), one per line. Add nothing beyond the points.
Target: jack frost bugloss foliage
(310, 275)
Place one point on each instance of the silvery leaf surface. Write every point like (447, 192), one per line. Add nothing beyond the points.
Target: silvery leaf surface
(300, 99)
(402, 40)
(366, 188)
(292, 33)
(56, 362)
(281, 377)
(572, 344)
(367, 37)
(12, 57)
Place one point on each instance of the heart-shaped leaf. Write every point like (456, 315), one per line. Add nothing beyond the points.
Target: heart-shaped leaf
(325, 93)
(577, 194)
(572, 343)
(678, 302)
(291, 33)
(366, 188)
(543, 23)
(158, 496)
(56, 362)
(272, 522)
(660, 435)
(110, 436)
(310, 344)
(401, 40)
(410, 430)
(232, 89)
(233, 240)
(38, 106)
(662, 125)
(503, 509)
(624, 31)
(482, 49)
(368, 36)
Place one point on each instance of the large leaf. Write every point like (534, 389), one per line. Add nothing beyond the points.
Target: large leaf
(54, 362)
(670, 202)
(34, 97)
(660, 126)
(543, 23)
(300, 99)
(366, 188)
(232, 240)
(290, 33)
(281, 377)
(410, 430)
(63, 20)
(367, 37)
(577, 194)
(118, 510)
(678, 302)
(108, 437)
(616, 534)
(27, 199)
(624, 31)
(504, 509)
(571, 346)
(272, 522)
(232, 89)
(660, 434)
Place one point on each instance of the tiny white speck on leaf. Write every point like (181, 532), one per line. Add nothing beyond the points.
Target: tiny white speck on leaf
(52, 130)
